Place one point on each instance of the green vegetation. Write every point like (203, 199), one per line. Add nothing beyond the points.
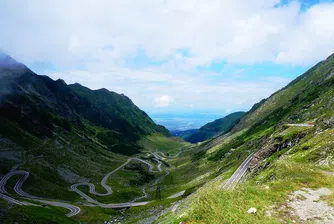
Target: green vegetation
(288, 158)
(161, 143)
(219, 126)
(267, 190)
(68, 134)
(183, 134)
(38, 105)
(29, 214)
(50, 214)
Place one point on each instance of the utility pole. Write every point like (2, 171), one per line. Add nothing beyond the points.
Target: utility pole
(158, 193)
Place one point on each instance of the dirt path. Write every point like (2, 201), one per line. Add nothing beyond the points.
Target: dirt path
(308, 206)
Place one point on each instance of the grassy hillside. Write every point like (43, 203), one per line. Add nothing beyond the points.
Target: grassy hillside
(39, 105)
(65, 134)
(287, 159)
(74, 144)
(219, 126)
(300, 93)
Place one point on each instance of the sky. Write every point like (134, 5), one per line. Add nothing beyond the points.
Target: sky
(170, 56)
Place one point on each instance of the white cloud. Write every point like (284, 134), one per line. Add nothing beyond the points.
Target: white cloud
(163, 101)
(196, 92)
(237, 31)
(311, 39)
(88, 42)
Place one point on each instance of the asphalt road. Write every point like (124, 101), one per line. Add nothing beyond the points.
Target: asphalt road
(237, 175)
(12, 200)
(177, 194)
(300, 125)
(163, 156)
(235, 178)
(132, 203)
(74, 210)
(104, 180)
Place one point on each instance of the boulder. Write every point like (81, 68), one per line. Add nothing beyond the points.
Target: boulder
(252, 211)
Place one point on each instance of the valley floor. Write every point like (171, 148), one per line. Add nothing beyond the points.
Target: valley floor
(166, 169)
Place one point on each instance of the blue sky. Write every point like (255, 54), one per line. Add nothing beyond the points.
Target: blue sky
(172, 57)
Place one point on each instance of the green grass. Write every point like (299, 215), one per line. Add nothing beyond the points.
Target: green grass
(218, 126)
(51, 214)
(34, 214)
(212, 205)
(126, 185)
(161, 143)
(137, 214)
(300, 169)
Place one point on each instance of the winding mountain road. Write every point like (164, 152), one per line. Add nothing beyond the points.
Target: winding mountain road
(104, 180)
(163, 156)
(109, 190)
(12, 200)
(74, 210)
(237, 175)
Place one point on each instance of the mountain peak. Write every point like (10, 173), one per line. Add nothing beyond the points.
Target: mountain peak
(8, 62)
(61, 81)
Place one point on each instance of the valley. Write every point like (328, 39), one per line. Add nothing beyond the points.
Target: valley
(75, 210)
(74, 155)
(167, 112)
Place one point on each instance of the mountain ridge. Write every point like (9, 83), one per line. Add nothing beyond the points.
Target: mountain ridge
(285, 139)
(216, 127)
(286, 142)
(40, 103)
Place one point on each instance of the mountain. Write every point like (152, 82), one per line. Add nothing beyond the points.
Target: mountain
(39, 104)
(294, 103)
(219, 126)
(54, 135)
(288, 140)
(183, 134)
(298, 94)
(281, 150)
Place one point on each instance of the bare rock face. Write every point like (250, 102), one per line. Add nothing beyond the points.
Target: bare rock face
(270, 148)
(329, 122)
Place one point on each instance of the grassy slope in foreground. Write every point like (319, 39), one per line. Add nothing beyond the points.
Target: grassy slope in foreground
(289, 158)
(267, 190)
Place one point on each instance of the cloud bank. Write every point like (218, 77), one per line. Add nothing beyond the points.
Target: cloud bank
(151, 49)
